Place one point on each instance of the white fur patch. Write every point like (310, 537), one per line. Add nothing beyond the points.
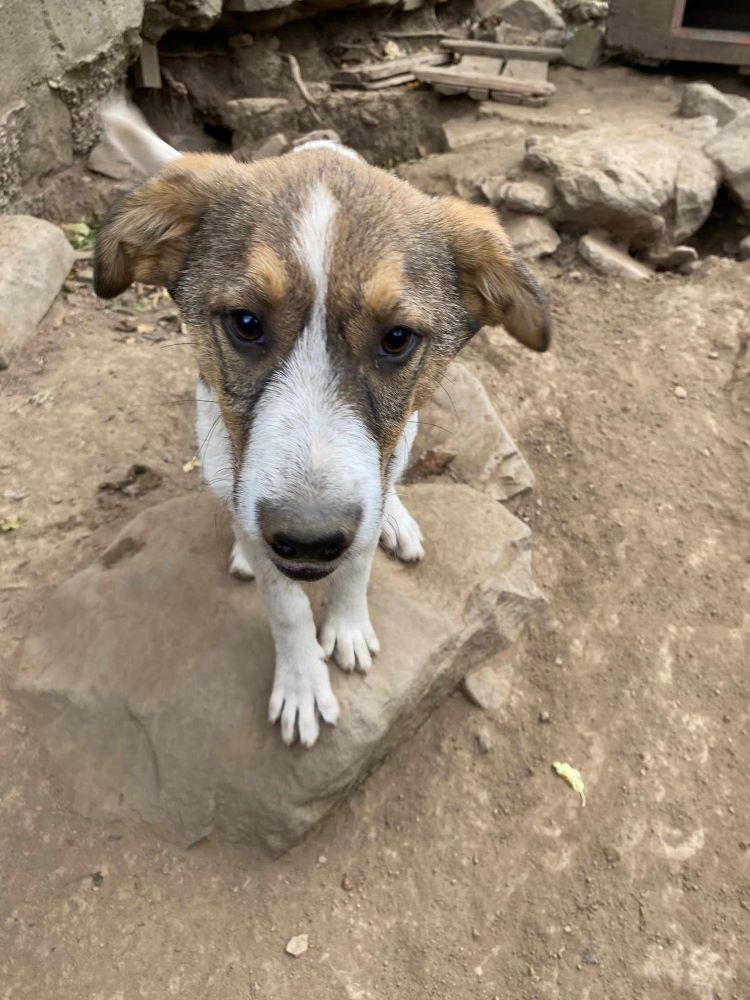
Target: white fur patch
(306, 445)
(214, 447)
(131, 136)
(336, 147)
(313, 244)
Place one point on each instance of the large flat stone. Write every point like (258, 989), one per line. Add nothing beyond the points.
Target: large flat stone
(35, 257)
(461, 434)
(149, 672)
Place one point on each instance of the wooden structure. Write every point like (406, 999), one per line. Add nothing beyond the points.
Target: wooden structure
(715, 31)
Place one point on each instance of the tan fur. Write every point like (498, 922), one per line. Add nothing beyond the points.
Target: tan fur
(494, 284)
(383, 293)
(399, 258)
(145, 239)
(268, 274)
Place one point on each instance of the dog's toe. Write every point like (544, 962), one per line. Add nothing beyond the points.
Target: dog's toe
(301, 691)
(351, 645)
(400, 534)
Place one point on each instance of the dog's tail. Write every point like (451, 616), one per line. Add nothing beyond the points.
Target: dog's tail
(133, 138)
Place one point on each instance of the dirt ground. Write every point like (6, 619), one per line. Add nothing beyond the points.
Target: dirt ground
(453, 873)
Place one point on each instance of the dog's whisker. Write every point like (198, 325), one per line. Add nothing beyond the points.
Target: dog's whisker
(453, 405)
(202, 447)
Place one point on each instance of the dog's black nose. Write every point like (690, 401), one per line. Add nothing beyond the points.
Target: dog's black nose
(317, 550)
(308, 535)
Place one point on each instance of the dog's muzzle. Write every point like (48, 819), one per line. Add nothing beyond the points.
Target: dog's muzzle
(307, 542)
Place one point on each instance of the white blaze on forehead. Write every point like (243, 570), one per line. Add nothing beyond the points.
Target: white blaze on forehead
(307, 446)
(331, 144)
(314, 239)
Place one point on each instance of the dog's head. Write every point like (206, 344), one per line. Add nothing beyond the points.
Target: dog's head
(325, 299)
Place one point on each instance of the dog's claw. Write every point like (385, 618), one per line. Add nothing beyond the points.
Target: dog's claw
(301, 690)
(349, 644)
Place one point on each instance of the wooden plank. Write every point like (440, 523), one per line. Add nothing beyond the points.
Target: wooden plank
(521, 69)
(535, 53)
(480, 65)
(454, 77)
(146, 70)
(371, 72)
(391, 81)
(478, 95)
(528, 100)
(448, 91)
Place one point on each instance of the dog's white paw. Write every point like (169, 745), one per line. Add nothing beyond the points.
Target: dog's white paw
(350, 640)
(400, 534)
(239, 564)
(301, 690)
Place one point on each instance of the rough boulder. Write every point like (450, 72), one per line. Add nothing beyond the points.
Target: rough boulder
(652, 187)
(149, 672)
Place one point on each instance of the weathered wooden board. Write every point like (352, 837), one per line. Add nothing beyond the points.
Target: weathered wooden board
(533, 53)
(370, 73)
(456, 76)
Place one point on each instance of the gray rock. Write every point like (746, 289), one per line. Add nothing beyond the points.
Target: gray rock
(274, 145)
(743, 251)
(244, 111)
(46, 142)
(532, 15)
(698, 130)
(461, 421)
(606, 259)
(679, 258)
(489, 687)
(730, 150)
(153, 707)
(700, 99)
(526, 197)
(647, 186)
(35, 258)
(532, 236)
(585, 48)
(192, 15)
(461, 132)
(105, 160)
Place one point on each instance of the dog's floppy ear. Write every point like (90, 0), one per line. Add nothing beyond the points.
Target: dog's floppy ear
(146, 237)
(497, 288)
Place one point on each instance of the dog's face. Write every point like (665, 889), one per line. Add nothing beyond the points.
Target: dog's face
(325, 299)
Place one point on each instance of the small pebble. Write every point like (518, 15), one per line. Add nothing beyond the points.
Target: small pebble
(346, 883)
(589, 958)
(544, 716)
(483, 741)
(680, 392)
(297, 946)
(713, 355)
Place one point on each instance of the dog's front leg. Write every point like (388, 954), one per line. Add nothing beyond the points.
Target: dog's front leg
(347, 633)
(301, 685)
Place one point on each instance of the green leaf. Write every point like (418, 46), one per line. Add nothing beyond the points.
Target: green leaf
(573, 777)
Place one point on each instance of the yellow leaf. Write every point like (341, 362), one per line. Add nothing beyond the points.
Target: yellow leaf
(10, 523)
(573, 777)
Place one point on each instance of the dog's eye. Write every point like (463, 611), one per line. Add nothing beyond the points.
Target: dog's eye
(398, 342)
(242, 327)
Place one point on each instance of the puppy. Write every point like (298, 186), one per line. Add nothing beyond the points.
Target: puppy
(324, 299)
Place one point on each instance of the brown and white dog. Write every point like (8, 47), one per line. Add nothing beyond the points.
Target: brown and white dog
(324, 299)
